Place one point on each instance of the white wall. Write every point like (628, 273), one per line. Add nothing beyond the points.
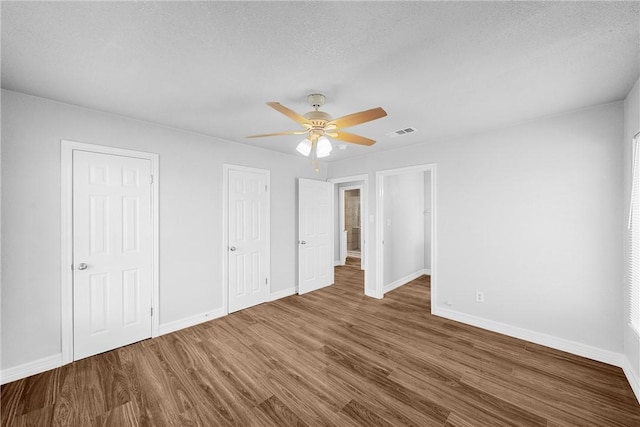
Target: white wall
(631, 127)
(531, 215)
(190, 215)
(403, 225)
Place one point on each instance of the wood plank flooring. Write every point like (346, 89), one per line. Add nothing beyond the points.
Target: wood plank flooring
(332, 357)
(352, 261)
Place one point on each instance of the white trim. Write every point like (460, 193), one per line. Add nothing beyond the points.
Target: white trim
(226, 167)
(342, 233)
(337, 263)
(30, 368)
(187, 322)
(372, 293)
(634, 381)
(283, 293)
(363, 177)
(583, 350)
(364, 232)
(403, 280)
(66, 198)
(380, 175)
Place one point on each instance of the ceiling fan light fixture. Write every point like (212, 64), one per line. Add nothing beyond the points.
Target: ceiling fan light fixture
(324, 147)
(318, 125)
(304, 147)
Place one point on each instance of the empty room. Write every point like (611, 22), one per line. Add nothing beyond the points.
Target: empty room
(327, 213)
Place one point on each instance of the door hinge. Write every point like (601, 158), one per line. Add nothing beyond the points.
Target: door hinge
(266, 188)
(151, 180)
(151, 311)
(266, 281)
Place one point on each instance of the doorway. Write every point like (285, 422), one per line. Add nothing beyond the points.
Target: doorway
(110, 248)
(351, 225)
(359, 211)
(406, 227)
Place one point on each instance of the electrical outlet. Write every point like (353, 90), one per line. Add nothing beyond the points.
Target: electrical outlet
(479, 296)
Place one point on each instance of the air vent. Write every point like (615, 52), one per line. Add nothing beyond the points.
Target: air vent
(402, 132)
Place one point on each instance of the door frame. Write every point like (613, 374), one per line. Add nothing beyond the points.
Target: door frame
(380, 175)
(66, 198)
(226, 167)
(343, 221)
(364, 215)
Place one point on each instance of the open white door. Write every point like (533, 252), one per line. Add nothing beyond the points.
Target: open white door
(112, 252)
(248, 237)
(315, 235)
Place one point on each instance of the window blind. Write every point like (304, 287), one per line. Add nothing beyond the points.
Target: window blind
(633, 263)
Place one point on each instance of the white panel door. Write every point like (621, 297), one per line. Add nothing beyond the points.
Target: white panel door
(315, 235)
(248, 231)
(112, 252)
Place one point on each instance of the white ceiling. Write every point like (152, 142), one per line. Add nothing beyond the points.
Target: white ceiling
(446, 68)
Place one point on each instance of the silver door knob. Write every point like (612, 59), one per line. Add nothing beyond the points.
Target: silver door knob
(82, 266)
(232, 248)
(302, 242)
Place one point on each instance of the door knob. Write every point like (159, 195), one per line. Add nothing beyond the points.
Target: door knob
(302, 242)
(82, 266)
(232, 248)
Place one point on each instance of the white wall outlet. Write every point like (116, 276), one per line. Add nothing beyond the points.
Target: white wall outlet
(479, 296)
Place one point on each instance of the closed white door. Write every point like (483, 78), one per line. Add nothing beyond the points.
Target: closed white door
(112, 252)
(248, 241)
(315, 235)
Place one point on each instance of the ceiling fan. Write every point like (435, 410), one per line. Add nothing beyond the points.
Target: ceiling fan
(319, 125)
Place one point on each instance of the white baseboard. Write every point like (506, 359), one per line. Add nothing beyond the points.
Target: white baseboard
(283, 293)
(590, 352)
(55, 361)
(404, 280)
(372, 293)
(337, 262)
(634, 381)
(187, 322)
(30, 368)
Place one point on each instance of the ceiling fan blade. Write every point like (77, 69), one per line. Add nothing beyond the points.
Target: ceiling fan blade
(291, 132)
(358, 118)
(354, 139)
(288, 112)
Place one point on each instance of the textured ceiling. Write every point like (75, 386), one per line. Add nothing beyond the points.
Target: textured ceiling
(446, 68)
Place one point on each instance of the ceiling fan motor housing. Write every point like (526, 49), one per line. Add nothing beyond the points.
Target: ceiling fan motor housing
(318, 119)
(316, 100)
(319, 116)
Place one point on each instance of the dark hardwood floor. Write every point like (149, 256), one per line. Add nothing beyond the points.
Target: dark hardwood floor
(331, 357)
